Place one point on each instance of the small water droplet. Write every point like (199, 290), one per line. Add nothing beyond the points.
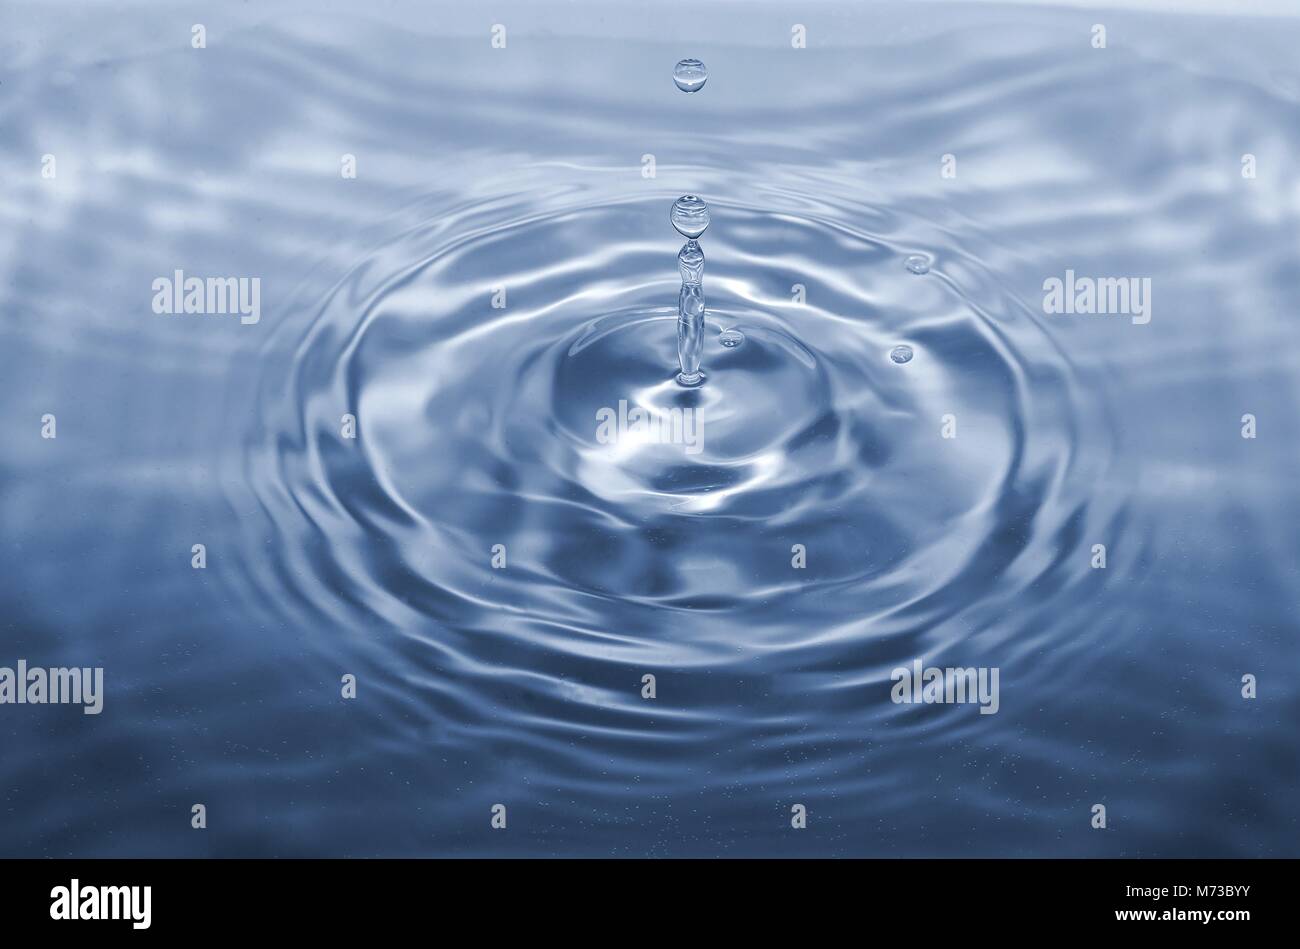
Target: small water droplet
(690, 216)
(918, 264)
(731, 338)
(901, 354)
(690, 75)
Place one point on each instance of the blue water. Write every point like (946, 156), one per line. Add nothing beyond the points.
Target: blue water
(519, 176)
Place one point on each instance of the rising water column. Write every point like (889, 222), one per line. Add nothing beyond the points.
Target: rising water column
(690, 216)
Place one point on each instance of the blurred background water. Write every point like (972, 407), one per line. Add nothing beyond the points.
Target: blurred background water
(523, 167)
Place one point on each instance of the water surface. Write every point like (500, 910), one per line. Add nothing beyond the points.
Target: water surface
(519, 176)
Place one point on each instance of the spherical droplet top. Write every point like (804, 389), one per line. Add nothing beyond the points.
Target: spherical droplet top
(690, 75)
(690, 216)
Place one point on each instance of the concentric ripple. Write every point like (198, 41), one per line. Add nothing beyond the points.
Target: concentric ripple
(467, 262)
(831, 507)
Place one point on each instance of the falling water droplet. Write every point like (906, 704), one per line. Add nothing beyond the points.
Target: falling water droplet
(690, 216)
(918, 264)
(901, 354)
(731, 338)
(690, 75)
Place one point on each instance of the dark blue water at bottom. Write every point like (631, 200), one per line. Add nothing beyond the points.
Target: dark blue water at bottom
(501, 270)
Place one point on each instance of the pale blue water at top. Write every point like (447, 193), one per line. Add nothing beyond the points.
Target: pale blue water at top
(463, 259)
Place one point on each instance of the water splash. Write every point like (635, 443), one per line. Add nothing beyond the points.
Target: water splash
(690, 216)
(479, 431)
(690, 75)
